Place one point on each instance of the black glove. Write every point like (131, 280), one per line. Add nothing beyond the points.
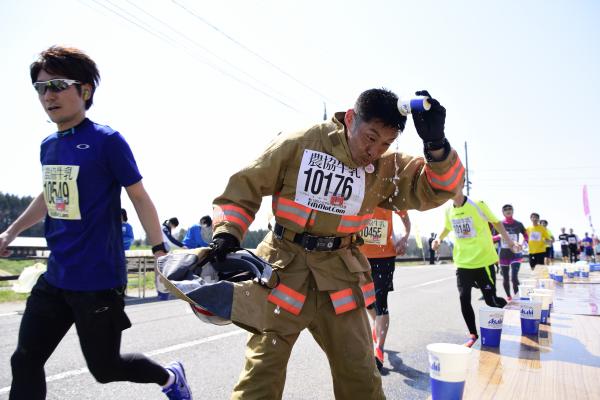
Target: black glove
(222, 244)
(430, 124)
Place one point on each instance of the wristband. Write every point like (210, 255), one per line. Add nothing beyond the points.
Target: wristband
(436, 145)
(159, 247)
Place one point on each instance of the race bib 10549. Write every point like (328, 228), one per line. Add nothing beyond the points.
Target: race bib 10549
(464, 228)
(326, 184)
(375, 232)
(60, 191)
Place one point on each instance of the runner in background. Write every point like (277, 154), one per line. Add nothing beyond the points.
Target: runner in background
(510, 262)
(573, 250)
(168, 238)
(474, 254)
(538, 235)
(431, 251)
(381, 247)
(588, 248)
(564, 244)
(549, 244)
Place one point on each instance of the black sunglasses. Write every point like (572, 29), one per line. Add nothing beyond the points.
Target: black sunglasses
(54, 85)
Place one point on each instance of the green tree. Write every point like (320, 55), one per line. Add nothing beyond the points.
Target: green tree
(11, 206)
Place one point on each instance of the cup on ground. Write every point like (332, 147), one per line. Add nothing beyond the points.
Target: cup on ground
(531, 313)
(490, 324)
(448, 365)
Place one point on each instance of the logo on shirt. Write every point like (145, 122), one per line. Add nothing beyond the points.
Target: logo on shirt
(83, 146)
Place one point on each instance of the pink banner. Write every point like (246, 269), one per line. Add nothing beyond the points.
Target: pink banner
(586, 202)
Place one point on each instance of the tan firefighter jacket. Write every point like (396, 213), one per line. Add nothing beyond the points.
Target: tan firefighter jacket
(317, 188)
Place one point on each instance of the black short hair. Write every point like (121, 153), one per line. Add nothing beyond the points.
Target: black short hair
(124, 214)
(507, 207)
(207, 220)
(536, 214)
(382, 105)
(173, 221)
(71, 63)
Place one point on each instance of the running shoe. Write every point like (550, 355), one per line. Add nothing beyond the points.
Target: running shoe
(471, 341)
(379, 356)
(509, 299)
(179, 390)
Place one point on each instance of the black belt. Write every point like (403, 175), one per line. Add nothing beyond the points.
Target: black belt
(311, 242)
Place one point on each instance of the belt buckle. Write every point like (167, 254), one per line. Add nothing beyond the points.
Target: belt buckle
(321, 243)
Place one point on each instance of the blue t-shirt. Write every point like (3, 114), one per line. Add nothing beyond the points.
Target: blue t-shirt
(193, 237)
(84, 169)
(127, 232)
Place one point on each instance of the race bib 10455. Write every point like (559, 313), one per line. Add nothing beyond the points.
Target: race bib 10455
(326, 184)
(375, 232)
(60, 191)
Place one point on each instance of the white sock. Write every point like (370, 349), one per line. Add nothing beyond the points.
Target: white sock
(171, 379)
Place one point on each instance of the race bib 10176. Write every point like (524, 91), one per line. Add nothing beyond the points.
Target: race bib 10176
(464, 228)
(326, 184)
(60, 191)
(375, 232)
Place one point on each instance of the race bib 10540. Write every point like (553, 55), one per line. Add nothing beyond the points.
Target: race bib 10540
(326, 184)
(60, 191)
(464, 228)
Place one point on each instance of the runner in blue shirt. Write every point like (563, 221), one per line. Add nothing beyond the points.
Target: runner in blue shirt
(84, 167)
(126, 230)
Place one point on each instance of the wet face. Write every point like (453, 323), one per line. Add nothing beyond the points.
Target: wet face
(535, 219)
(65, 108)
(367, 140)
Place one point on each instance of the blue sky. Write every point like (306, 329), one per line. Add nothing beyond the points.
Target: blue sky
(519, 80)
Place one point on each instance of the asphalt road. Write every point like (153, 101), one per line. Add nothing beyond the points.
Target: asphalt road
(424, 308)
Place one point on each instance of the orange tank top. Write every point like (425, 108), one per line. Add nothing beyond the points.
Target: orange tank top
(378, 235)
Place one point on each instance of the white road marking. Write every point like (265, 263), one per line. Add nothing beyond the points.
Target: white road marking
(75, 372)
(430, 282)
(9, 314)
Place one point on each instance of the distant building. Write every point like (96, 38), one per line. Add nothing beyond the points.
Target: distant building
(28, 247)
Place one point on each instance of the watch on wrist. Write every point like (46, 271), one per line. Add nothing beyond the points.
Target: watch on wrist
(159, 247)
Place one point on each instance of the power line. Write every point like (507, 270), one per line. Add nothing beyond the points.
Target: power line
(236, 42)
(173, 43)
(204, 48)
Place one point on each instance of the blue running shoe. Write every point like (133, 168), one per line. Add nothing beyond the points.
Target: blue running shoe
(179, 390)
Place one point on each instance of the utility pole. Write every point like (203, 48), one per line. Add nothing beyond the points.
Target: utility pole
(324, 111)
(467, 181)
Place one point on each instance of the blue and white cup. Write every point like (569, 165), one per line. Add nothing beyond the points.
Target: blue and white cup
(415, 104)
(549, 292)
(584, 270)
(559, 275)
(161, 289)
(531, 314)
(546, 283)
(545, 299)
(448, 366)
(524, 291)
(529, 282)
(490, 324)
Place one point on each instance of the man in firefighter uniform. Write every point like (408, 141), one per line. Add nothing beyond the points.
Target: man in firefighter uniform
(325, 182)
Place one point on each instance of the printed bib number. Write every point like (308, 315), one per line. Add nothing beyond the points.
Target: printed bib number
(60, 191)
(376, 232)
(514, 237)
(563, 242)
(464, 228)
(326, 184)
(572, 240)
(535, 236)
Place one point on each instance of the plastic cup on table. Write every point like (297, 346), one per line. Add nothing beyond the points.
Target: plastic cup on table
(549, 292)
(524, 291)
(546, 284)
(531, 313)
(490, 324)
(448, 366)
(545, 299)
(559, 274)
(529, 282)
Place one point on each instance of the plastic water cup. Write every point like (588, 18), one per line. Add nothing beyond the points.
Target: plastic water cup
(584, 270)
(524, 291)
(559, 275)
(531, 313)
(448, 365)
(161, 289)
(490, 323)
(549, 292)
(415, 104)
(545, 299)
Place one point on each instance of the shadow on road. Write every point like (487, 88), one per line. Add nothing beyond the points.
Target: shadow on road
(414, 378)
